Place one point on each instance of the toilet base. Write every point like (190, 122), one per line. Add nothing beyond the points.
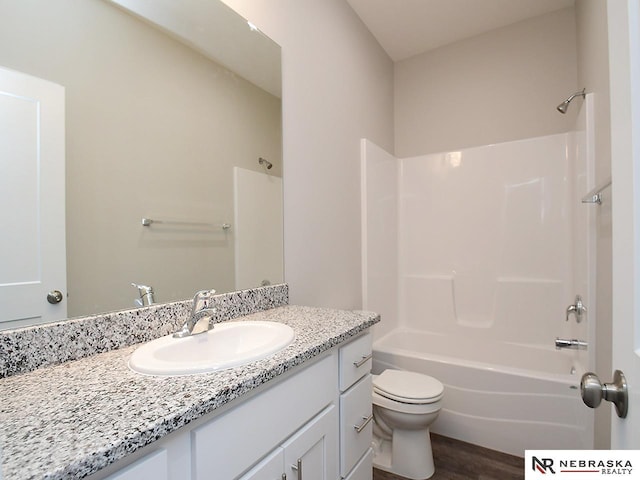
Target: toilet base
(408, 454)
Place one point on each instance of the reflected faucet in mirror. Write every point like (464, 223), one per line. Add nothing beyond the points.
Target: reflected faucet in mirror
(200, 310)
(145, 295)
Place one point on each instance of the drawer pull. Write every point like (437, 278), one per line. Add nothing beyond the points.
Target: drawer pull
(364, 360)
(298, 468)
(360, 427)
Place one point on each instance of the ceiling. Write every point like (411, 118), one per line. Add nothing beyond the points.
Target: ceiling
(219, 33)
(406, 28)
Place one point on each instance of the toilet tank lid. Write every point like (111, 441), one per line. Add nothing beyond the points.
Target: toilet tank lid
(410, 385)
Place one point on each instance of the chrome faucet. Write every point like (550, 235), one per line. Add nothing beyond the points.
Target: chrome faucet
(572, 344)
(199, 310)
(146, 295)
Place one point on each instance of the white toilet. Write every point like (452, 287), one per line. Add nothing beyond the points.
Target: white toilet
(405, 404)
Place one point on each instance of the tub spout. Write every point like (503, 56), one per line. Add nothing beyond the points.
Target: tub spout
(572, 344)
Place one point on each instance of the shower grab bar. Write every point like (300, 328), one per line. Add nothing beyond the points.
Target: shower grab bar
(147, 222)
(595, 195)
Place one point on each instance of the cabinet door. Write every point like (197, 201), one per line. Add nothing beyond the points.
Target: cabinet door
(153, 466)
(312, 453)
(271, 468)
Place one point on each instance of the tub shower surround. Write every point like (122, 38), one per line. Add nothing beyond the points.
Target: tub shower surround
(71, 420)
(26, 349)
(488, 241)
(491, 245)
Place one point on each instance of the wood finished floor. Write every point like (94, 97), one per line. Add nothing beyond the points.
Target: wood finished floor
(456, 460)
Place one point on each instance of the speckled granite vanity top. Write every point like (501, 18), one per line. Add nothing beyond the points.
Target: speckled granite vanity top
(70, 420)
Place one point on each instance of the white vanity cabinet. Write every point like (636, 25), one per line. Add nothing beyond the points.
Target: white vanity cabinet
(356, 414)
(305, 454)
(314, 424)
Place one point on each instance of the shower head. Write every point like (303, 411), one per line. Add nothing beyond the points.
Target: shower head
(265, 162)
(562, 108)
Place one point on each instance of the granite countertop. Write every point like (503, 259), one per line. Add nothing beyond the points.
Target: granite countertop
(71, 420)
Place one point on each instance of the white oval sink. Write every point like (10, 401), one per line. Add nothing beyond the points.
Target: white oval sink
(226, 345)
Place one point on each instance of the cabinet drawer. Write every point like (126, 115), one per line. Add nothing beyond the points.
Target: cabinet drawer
(362, 471)
(355, 423)
(355, 361)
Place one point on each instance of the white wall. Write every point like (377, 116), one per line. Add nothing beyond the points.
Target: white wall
(337, 88)
(499, 86)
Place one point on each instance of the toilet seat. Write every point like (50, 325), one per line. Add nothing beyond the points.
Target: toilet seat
(408, 387)
(401, 407)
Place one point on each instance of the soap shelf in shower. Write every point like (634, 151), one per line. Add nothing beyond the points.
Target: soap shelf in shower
(595, 195)
(147, 222)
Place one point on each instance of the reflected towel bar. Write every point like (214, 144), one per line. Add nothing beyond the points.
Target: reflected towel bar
(595, 195)
(147, 222)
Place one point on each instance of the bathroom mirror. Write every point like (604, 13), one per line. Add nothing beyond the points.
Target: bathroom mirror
(165, 108)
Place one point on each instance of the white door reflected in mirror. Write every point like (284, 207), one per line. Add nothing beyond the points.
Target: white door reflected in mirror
(32, 239)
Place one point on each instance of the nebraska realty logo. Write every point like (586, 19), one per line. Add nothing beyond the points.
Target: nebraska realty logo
(582, 463)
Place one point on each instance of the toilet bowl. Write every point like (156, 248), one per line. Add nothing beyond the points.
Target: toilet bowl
(405, 404)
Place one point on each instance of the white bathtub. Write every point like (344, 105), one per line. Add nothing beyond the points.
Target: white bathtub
(501, 396)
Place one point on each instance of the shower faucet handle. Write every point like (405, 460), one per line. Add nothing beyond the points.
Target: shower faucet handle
(578, 309)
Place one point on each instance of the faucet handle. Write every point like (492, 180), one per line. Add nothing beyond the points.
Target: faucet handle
(201, 296)
(578, 309)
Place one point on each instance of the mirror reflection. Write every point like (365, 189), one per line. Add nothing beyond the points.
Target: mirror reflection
(155, 129)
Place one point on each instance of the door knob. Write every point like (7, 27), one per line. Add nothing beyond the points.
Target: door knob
(593, 391)
(54, 296)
